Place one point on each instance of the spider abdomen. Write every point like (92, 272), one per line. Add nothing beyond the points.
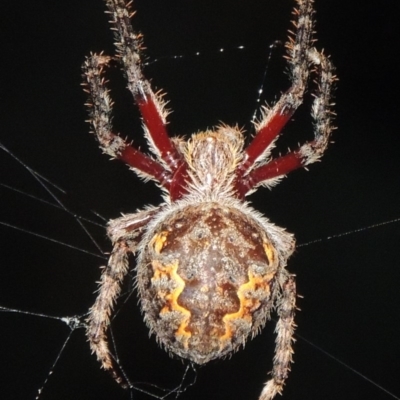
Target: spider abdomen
(207, 280)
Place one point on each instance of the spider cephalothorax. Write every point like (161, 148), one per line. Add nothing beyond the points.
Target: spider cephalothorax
(210, 269)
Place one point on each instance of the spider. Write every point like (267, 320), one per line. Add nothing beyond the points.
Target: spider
(210, 268)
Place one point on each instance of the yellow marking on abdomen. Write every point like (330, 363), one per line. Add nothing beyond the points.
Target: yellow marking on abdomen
(170, 271)
(247, 306)
(158, 240)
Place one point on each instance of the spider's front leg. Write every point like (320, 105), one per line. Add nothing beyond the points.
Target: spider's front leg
(125, 233)
(169, 168)
(285, 328)
(256, 168)
(151, 105)
(100, 109)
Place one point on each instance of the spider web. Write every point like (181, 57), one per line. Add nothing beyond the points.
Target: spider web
(349, 283)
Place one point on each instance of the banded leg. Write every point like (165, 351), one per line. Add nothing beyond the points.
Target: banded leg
(274, 119)
(99, 319)
(100, 109)
(284, 329)
(300, 58)
(151, 105)
(125, 233)
(309, 152)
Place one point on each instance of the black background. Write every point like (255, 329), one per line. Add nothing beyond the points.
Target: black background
(350, 284)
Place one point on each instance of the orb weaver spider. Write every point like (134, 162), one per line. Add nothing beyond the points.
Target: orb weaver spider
(210, 268)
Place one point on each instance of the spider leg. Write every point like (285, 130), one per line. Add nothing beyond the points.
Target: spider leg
(125, 233)
(273, 120)
(311, 151)
(151, 105)
(284, 329)
(300, 57)
(100, 107)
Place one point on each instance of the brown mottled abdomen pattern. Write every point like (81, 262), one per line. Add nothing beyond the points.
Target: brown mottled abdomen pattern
(206, 280)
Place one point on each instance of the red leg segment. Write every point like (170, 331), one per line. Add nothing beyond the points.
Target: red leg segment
(268, 130)
(157, 129)
(278, 167)
(150, 110)
(139, 161)
(265, 136)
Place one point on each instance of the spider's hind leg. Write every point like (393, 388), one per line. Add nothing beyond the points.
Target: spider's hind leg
(125, 233)
(284, 330)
